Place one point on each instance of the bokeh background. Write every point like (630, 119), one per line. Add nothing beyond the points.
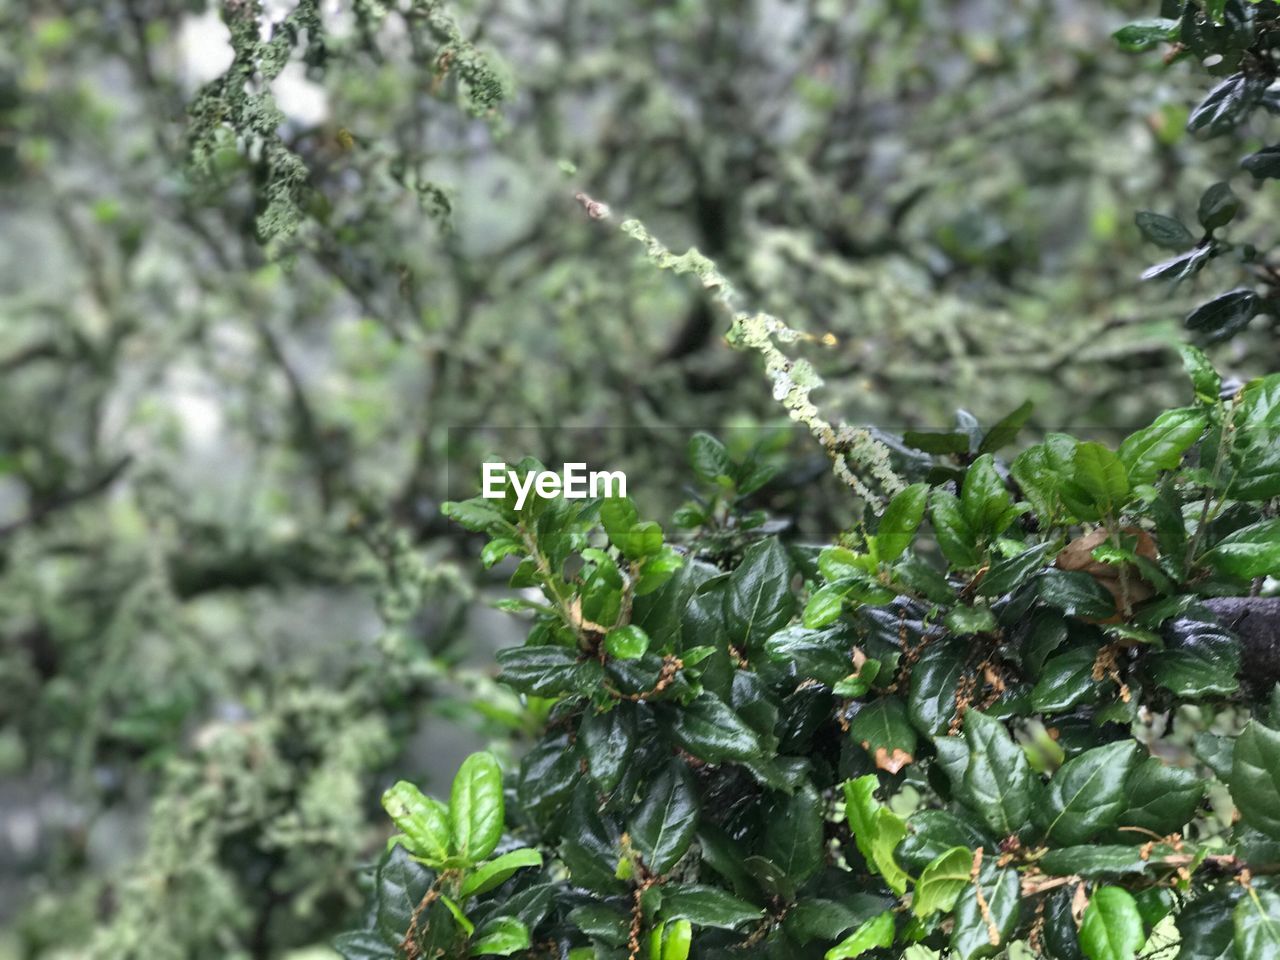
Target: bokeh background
(266, 303)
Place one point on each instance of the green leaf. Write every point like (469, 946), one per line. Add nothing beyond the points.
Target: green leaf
(931, 833)
(759, 600)
(1093, 860)
(476, 807)
(900, 521)
(1006, 430)
(1144, 34)
(942, 882)
(1255, 778)
(1161, 799)
(1112, 927)
(1184, 265)
(1066, 681)
(423, 820)
(618, 515)
(500, 937)
(1075, 593)
(1253, 551)
(1218, 206)
(664, 823)
(988, 508)
(706, 906)
(939, 444)
(1226, 105)
(1010, 573)
(476, 515)
(607, 741)
(876, 932)
(1102, 479)
(876, 830)
(1205, 926)
(711, 731)
(958, 540)
(972, 935)
(882, 728)
(826, 605)
(1167, 232)
(1204, 378)
(931, 702)
(819, 919)
(1087, 794)
(1264, 164)
(1200, 659)
(1257, 925)
(1161, 445)
(793, 837)
(965, 621)
(495, 872)
(824, 655)
(589, 846)
(709, 458)
(626, 643)
(1223, 316)
(548, 671)
(997, 783)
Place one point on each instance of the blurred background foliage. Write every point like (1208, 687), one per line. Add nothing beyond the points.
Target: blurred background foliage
(278, 276)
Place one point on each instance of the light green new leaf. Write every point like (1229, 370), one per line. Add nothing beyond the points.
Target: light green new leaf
(942, 881)
(423, 820)
(876, 932)
(476, 807)
(500, 937)
(1112, 926)
(495, 872)
(877, 830)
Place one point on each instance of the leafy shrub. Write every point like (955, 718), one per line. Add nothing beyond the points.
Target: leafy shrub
(769, 749)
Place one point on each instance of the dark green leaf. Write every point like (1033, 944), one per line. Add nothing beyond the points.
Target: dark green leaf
(1006, 430)
(1161, 800)
(1252, 551)
(885, 733)
(1264, 164)
(817, 919)
(931, 833)
(793, 836)
(607, 741)
(972, 935)
(1087, 794)
(1076, 594)
(1093, 860)
(1255, 778)
(1066, 681)
(1010, 573)
(1257, 925)
(934, 678)
(958, 540)
(900, 521)
(1200, 659)
(1144, 34)
(997, 782)
(939, 444)
(711, 731)
(1218, 206)
(1167, 232)
(759, 600)
(706, 906)
(664, 823)
(1223, 316)
(709, 458)
(1226, 105)
(1180, 267)
(987, 506)
(548, 671)
(1205, 926)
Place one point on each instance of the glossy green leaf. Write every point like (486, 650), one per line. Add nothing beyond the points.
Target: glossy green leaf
(793, 837)
(958, 540)
(877, 831)
(1111, 928)
(1161, 445)
(1252, 551)
(626, 643)
(979, 933)
(607, 741)
(1075, 593)
(998, 783)
(876, 932)
(883, 730)
(495, 872)
(709, 458)
(706, 906)
(987, 506)
(709, 729)
(942, 881)
(476, 807)
(1142, 35)
(1093, 860)
(1087, 794)
(1160, 799)
(1005, 430)
(901, 519)
(1224, 316)
(667, 817)
(423, 820)
(1255, 777)
(1257, 925)
(500, 937)
(931, 702)
(758, 600)
(1066, 681)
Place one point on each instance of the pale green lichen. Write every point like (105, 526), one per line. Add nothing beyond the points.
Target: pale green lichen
(858, 458)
